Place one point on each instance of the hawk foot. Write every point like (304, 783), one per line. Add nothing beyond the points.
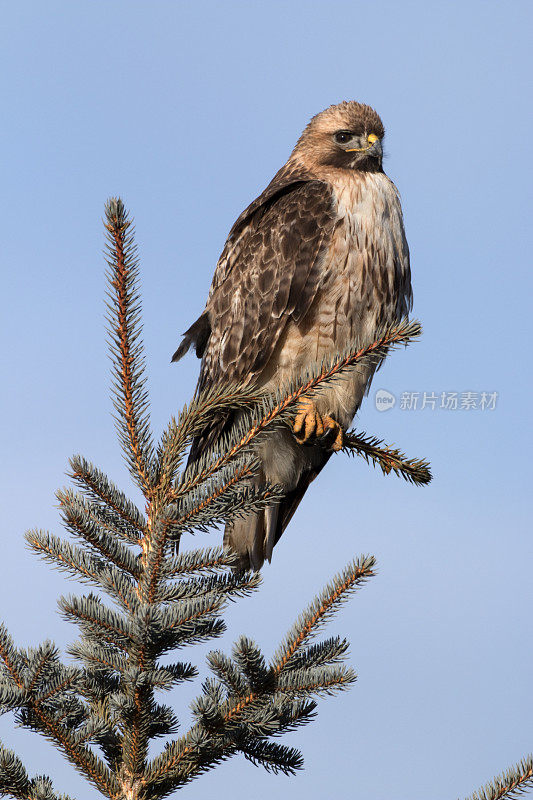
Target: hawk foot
(310, 426)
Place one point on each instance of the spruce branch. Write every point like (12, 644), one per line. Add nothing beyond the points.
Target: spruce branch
(227, 672)
(253, 699)
(194, 418)
(99, 656)
(330, 651)
(103, 713)
(97, 621)
(389, 459)
(220, 505)
(214, 559)
(13, 664)
(315, 680)
(217, 502)
(77, 754)
(512, 783)
(40, 713)
(41, 664)
(273, 757)
(115, 505)
(326, 604)
(65, 556)
(230, 585)
(84, 521)
(129, 381)
(14, 780)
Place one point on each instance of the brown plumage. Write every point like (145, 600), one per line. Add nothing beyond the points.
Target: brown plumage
(318, 259)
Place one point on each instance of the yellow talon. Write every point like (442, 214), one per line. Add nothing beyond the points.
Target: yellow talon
(309, 425)
(333, 426)
(306, 421)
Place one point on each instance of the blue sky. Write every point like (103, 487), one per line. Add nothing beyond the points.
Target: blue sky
(186, 110)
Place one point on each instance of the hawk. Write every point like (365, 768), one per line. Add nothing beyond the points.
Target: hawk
(319, 259)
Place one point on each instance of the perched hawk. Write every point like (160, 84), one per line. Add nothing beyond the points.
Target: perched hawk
(318, 259)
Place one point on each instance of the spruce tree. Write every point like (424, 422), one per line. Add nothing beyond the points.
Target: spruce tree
(102, 711)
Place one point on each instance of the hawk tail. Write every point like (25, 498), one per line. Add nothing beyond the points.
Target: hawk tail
(253, 538)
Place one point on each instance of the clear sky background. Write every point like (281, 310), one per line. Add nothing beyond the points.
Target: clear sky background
(187, 110)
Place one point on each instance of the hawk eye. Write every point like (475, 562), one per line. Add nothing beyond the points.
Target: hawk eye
(342, 137)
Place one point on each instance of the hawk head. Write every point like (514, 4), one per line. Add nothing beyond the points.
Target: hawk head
(347, 136)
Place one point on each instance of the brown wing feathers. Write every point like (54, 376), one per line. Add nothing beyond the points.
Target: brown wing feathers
(272, 278)
(268, 273)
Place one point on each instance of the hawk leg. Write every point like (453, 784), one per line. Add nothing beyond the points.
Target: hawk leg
(309, 426)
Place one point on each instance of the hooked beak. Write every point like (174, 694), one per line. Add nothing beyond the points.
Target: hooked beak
(373, 148)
